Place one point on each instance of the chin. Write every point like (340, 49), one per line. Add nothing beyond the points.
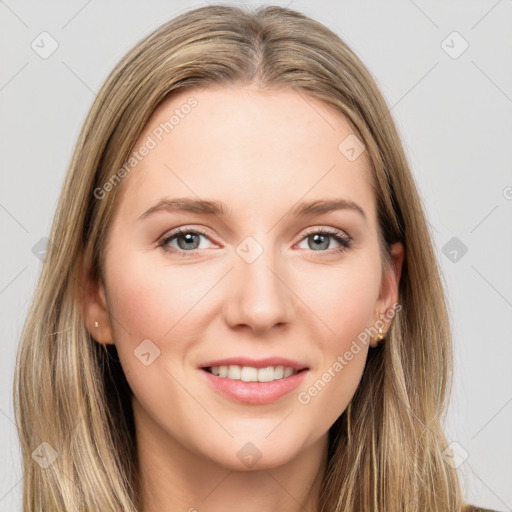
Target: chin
(263, 454)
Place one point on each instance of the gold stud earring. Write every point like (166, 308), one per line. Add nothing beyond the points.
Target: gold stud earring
(380, 337)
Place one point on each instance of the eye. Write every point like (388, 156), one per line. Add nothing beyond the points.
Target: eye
(320, 239)
(188, 241)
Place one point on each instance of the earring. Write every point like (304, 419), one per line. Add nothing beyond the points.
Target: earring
(96, 324)
(380, 337)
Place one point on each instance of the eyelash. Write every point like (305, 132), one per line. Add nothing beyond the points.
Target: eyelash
(344, 240)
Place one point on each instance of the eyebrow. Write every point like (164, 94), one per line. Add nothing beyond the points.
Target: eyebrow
(218, 208)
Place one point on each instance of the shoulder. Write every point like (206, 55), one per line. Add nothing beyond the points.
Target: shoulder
(473, 508)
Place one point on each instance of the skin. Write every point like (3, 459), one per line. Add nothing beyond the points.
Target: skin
(260, 152)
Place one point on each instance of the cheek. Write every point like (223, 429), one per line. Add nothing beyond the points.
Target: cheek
(152, 331)
(342, 298)
(150, 301)
(331, 386)
(158, 314)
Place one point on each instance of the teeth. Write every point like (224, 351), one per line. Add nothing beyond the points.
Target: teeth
(251, 374)
(234, 372)
(288, 372)
(248, 374)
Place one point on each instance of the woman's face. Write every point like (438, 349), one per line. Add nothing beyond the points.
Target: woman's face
(260, 283)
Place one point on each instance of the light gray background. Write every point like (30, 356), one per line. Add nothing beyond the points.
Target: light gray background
(455, 117)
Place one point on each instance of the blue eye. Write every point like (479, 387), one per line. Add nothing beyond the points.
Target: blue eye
(188, 241)
(190, 238)
(320, 237)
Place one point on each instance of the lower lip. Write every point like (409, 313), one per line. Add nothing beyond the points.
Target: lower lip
(254, 393)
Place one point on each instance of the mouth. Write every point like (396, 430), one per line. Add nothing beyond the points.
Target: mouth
(254, 382)
(252, 373)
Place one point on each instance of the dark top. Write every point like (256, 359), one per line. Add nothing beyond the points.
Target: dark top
(472, 508)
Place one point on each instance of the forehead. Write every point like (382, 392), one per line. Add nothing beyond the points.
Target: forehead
(249, 148)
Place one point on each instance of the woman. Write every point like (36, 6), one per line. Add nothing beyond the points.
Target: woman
(299, 356)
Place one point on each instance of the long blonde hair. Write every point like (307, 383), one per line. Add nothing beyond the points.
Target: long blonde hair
(72, 401)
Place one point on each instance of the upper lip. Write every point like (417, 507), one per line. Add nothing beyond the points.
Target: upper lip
(256, 363)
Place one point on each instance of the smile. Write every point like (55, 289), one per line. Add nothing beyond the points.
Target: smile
(253, 381)
(251, 373)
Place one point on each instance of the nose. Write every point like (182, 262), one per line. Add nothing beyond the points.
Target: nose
(259, 296)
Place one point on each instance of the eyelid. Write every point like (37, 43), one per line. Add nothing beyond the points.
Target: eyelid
(326, 229)
(182, 229)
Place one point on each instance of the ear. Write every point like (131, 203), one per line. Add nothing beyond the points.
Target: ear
(388, 295)
(95, 308)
